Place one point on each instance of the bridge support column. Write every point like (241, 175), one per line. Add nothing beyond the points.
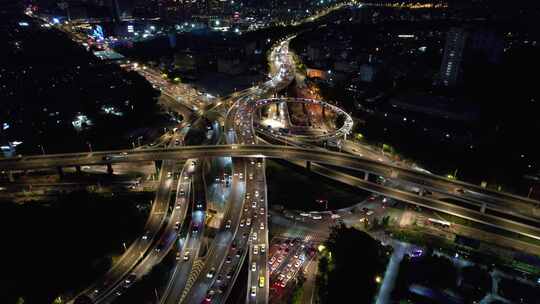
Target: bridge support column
(60, 171)
(308, 165)
(110, 170)
(10, 176)
(78, 169)
(157, 164)
(366, 176)
(483, 208)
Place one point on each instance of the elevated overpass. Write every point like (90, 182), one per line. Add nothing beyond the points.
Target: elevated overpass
(529, 228)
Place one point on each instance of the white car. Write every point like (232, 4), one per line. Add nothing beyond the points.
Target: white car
(253, 266)
(253, 291)
(255, 249)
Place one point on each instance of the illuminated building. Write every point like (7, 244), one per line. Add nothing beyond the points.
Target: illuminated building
(453, 52)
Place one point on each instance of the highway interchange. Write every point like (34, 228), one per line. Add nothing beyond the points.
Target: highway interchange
(242, 234)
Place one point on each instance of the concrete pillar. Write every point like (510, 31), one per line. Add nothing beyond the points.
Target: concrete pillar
(308, 165)
(483, 208)
(78, 169)
(10, 176)
(157, 164)
(366, 176)
(110, 170)
(60, 171)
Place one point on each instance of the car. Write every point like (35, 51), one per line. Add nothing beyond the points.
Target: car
(182, 192)
(186, 255)
(254, 204)
(228, 224)
(261, 281)
(239, 253)
(169, 174)
(177, 225)
(253, 291)
(209, 296)
(253, 266)
(228, 259)
(242, 222)
(248, 221)
(261, 226)
(256, 193)
(230, 274)
(199, 205)
(259, 164)
(195, 229)
(261, 211)
(254, 236)
(211, 273)
(130, 279)
(219, 279)
(251, 176)
(255, 249)
(234, 245)
(263, 247)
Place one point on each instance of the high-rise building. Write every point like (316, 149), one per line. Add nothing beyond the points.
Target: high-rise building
(453, 53)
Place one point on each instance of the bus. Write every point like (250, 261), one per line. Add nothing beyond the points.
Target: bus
(439, 223)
